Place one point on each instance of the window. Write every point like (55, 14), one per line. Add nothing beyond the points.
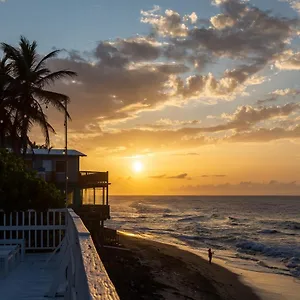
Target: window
(60, 166)
(47, 165)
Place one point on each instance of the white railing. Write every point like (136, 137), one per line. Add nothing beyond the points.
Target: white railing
(39, 230)
(80, 269)
(86, 275)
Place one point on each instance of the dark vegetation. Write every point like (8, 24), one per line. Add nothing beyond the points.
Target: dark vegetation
(22, 189)
(26, 91)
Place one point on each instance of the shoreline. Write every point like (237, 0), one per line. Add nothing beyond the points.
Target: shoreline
(146, 269)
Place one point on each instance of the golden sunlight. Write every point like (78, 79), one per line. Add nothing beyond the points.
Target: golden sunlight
(137, 166)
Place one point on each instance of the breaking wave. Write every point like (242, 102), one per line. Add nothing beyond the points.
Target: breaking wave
(268, 238)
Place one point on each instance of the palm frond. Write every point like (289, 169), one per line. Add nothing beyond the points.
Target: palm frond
(52, 54)
(57, 100)
(28, 51)
(51, 78)
(41, 119)
(18, 64)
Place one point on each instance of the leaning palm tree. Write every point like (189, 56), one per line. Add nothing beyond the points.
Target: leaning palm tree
(31, 81)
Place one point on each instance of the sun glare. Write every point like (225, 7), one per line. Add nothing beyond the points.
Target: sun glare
(137, 166)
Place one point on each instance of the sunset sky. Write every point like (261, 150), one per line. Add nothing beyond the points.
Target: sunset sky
(175, 97)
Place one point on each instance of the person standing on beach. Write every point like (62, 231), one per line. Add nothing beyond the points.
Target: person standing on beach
(210, 254)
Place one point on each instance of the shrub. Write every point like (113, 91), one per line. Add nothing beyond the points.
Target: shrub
(22, 189)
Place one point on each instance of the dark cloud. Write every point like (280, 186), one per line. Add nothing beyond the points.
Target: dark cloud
(278, 93)
(158, 176)
(180, 176)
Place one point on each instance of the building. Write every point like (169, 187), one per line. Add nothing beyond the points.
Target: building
(51, 165)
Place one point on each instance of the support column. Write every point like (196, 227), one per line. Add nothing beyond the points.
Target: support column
(107, 189)
(103, 195)
(94, 195)
(107, 194)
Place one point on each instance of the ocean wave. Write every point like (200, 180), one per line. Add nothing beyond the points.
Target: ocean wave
(192, 218)
(145, 208)
(268, 231)
(238, 220)
(168, 215)
(291, 225)
(294, 265)
(273, 251)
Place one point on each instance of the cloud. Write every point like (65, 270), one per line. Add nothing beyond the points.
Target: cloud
(240, 126)
(246, 116)
(180, 176)
(222, 21)
(277, 93)
(169, 24)
(295, 4)
(286, 92)
(121, 78)
(273, 187)
(265, 135)
(170, 122)
(165, 123)
(288, 60)
(186, 154)
(158, 176)
(163, 176)
(193, 18)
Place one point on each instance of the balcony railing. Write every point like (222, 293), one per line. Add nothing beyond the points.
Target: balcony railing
(88, 178)
(84, 178)
(80, 269)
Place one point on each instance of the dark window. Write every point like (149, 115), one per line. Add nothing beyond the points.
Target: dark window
(60, 166)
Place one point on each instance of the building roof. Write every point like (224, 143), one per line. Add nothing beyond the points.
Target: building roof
(54, 152)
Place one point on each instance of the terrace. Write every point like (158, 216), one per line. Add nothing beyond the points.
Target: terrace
(50, 254)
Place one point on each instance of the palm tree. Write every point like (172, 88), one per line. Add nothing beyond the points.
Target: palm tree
(30, 79)
(5, 81)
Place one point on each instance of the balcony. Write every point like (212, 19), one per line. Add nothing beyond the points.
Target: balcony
(88, 179)
(85, 179)
(71, 269)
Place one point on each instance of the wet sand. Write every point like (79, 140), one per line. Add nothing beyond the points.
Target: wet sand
(144, 269)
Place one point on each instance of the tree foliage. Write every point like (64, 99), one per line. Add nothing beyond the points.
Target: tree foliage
(22, 189)
(25, 80)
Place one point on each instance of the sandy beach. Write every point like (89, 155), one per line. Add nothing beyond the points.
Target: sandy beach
(144, 269)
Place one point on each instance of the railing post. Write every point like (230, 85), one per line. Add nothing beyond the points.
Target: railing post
(107, 189)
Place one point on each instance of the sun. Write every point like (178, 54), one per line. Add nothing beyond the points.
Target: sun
(137, 166)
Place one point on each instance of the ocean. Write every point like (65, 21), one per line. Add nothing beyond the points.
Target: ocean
(260, 233)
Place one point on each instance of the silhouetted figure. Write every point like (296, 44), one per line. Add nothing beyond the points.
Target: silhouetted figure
(210, 254)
